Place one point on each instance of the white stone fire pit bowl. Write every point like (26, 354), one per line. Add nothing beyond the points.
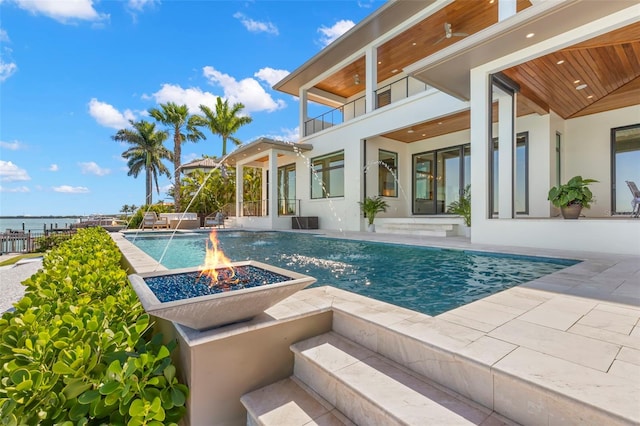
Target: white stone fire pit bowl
(215, 310)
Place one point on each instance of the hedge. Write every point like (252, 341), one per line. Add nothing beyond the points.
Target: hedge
(79, 349)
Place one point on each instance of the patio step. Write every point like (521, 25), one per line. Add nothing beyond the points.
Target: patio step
(338, 382)
(413, 228)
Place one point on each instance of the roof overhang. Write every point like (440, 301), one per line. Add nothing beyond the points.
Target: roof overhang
(260, 147)
(449, 69)
(383, 20)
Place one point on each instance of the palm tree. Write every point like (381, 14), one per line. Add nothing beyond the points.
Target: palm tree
(178, 119)
(125, 209)
(146, 153)
(225, 121)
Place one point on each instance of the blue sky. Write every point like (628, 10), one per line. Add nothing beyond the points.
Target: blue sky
(73, 72)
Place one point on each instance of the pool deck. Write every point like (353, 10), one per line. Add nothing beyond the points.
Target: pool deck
(571, 335)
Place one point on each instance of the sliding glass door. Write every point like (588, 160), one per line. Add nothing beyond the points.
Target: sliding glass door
(625, 159)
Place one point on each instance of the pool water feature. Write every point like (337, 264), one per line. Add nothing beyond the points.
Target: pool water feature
(423, 279)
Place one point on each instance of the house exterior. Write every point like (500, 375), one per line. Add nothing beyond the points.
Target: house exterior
(421, 99)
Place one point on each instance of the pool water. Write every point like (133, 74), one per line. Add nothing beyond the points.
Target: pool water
(423, 279)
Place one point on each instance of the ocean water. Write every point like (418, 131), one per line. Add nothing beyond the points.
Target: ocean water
(36, 224)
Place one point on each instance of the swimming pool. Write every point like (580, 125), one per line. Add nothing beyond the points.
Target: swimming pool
(424, 279)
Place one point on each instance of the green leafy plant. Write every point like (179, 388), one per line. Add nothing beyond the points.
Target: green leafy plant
(371, 206)
(79, 348)
(576, 191)
(462, 207)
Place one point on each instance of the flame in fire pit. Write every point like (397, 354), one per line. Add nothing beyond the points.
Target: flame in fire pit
(216, 265)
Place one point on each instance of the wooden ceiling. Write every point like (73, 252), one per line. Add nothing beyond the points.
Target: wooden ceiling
(609, 65)
(420, 41)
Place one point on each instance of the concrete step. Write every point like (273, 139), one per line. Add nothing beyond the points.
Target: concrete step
(425, 229)
(291, 403)
(372, 390)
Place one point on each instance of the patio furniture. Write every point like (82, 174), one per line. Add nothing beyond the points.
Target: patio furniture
(216, 220)
(152, 221)
(635, 201)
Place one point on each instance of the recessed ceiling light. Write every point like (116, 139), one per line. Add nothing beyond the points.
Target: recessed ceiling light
(410, 131)
(560, 62)
(582, 86)
(576, 81)
(414, 43)
(424, 134)
(530, 35)
(379, 62)
(395, 70)
(590, 96)
(439, 122)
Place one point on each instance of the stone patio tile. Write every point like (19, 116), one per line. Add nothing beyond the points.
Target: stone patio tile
(439, 333)
(560, 312)
(606, 320)
(596, 389)
(636, 331)
(465, 321)
(487, 312)
(520, 298)
(571, 347)
(629, 355)
(629, 288)
(488, 350)
(632, 311)
(632, 341)
(626, 370)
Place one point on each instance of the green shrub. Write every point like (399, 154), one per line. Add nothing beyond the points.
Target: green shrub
(78, 349)
(136, 218)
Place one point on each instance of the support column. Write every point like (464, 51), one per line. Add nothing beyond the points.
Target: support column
(302, 111)
(239, 186)
(273, 188)
(371, 67)
(506, 156)
(506, 8)
(480, 142)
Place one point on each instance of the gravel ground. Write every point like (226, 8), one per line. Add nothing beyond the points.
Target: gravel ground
(11, 278)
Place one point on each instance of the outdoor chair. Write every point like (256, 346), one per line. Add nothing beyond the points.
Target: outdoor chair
(635, 201)
(216, 220)
(152, 221)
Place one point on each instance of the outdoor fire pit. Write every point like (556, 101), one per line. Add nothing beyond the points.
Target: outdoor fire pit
(200, 301)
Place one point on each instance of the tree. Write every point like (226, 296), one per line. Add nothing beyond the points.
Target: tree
(205, 193)
(184, 128)
(225, 121)
(125, 209)
(146, 153)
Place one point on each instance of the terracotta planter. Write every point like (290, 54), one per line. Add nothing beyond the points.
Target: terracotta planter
(571, 211)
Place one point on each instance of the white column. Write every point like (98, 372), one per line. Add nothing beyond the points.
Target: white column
(302, 112)
(371, 66)
(506, 155)
(506, 8)
(239, 185)
(273, 187)
(480, 89)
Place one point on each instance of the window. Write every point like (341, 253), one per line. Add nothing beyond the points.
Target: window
(287, 190)
(327, 176)
(387, 173)
(439, 177)
(521, 189)
(625, 158)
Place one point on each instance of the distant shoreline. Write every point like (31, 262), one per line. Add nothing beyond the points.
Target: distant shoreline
(43, 217)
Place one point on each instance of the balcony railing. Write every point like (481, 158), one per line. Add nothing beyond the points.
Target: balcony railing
(288, 207)
(261, 208)
(385, 95)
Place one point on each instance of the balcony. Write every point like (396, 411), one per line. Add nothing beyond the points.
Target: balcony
(384, 95)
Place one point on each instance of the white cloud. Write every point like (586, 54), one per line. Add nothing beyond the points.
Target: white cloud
(271, 75)
(18, 189)
(329, 34)
(93, 169)
(256, 26)
(248, 91)
(10, 172)
(191, 97)
(54, 168)
(140, 5)
(4, 37)
(12, 146)
(63, 11)
(68, 189)
(7, 69)
(108, 116)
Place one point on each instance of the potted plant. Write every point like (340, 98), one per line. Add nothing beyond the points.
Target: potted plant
(572, 197)
(371, 206)
(462, 207)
